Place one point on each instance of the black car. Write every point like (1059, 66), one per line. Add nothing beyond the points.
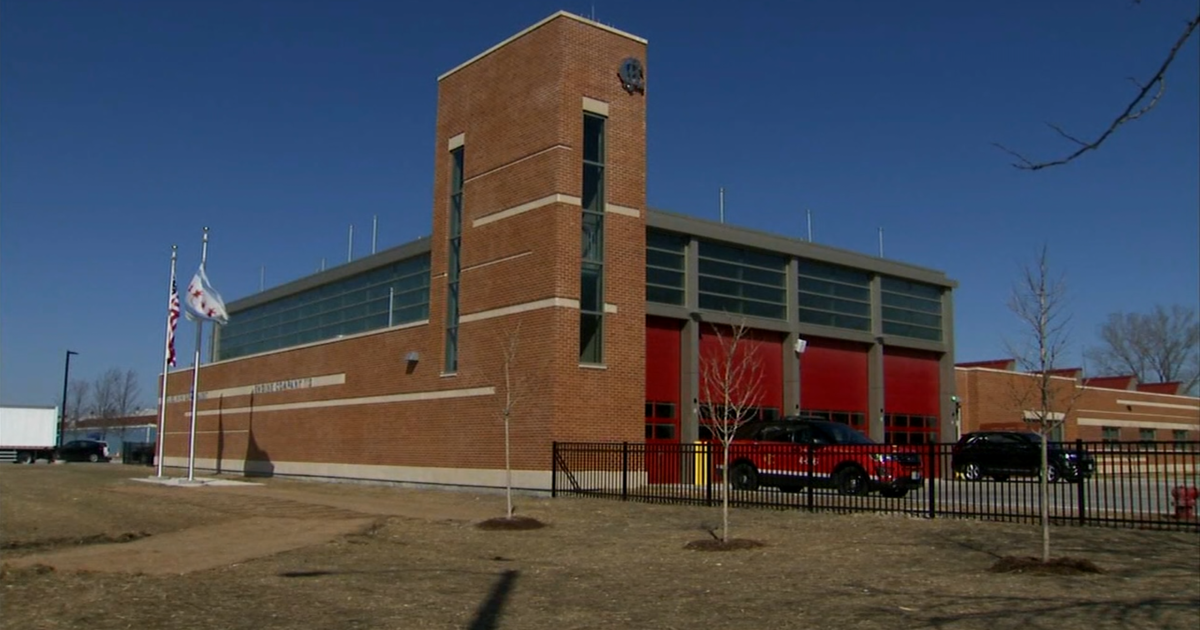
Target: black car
(1004, 454)
(84, 451)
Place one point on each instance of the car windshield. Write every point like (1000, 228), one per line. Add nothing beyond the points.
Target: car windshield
(844, 434)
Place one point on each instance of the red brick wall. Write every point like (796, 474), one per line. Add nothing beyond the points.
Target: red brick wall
(520, 108)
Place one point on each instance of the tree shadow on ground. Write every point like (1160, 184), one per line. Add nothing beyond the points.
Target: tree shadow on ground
(487, 616)
(1037, 612)
(1156, 554)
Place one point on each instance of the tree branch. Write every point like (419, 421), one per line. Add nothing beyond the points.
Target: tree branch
(1131, 112)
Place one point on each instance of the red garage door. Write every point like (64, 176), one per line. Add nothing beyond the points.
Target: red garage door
(763, 347)
(912, 389)
(662, 399)
(833, 381)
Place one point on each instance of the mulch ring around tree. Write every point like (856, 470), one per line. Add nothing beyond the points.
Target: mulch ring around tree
(96, 539)
(516, 523)
(716, 544)
(1035, 566)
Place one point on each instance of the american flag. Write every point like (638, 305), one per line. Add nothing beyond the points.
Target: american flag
(172, 319)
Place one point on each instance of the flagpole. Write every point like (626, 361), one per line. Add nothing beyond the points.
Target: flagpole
(196, 374)
(162, 405)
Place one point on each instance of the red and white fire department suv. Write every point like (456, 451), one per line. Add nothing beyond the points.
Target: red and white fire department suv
(793, 452)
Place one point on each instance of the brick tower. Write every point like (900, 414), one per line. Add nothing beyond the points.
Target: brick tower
(539, 225)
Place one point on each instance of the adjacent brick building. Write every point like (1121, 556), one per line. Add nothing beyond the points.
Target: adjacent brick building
(994, 395)
(392, 367)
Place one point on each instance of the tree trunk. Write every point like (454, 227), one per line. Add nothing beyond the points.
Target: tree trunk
(1045, 499)
(725, 497)
(507, 470)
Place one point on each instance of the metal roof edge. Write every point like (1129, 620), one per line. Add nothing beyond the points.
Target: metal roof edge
(379, 259)
(664, 219)
(529, 29)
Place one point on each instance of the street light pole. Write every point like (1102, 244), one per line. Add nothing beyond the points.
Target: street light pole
(62, 418)
(801, 346)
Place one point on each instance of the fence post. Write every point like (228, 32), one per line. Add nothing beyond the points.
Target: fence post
(933, 474)
(708, 473)
(554, 469)
(1081, 483)
(809, 473)
(624, 471)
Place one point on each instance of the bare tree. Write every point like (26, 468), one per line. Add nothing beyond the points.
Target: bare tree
(731, 386)
(1160, 346)
(77, 402)
(1148, 94)
(1039, 301)
(105, 393)
(114, 395)
(128, 393)
(513, 388)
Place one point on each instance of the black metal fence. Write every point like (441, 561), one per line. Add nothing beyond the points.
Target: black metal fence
(140, 453)
(1133, 484)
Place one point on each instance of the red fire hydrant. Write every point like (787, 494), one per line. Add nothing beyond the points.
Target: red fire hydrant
(1185, 500)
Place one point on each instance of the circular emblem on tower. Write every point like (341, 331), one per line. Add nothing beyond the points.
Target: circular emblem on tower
(632, 75)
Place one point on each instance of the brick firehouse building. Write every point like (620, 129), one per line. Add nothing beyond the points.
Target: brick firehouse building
(391, 367)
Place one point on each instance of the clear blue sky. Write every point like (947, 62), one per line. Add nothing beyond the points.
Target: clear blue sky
(128, 125)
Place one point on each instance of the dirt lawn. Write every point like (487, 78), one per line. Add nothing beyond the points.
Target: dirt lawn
(86, 546)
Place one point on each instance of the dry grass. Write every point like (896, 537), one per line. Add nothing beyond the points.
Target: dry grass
(426, 564)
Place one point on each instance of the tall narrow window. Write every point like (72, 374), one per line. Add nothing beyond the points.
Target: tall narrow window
(591, 277)
(453, 260)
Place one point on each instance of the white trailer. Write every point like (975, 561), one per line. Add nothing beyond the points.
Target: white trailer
(28, 434)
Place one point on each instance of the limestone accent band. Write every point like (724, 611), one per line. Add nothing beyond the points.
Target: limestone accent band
(613, 208)
(444, 476)
(526, 207)
(350, 402)
(554, 302)
(594, 106)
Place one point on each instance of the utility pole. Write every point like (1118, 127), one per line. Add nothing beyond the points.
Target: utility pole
(62, 417)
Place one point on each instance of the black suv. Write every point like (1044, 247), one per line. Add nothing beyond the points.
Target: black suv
(84, 451)
(1003, 454)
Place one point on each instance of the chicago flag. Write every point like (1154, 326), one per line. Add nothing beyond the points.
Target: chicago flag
(203, 300)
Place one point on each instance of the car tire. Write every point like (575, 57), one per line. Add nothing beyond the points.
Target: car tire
(1067, 474)
(26, 458)
(744, 477)
(93, 458)
(972, 472)
(894, 493)
(852, 480)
